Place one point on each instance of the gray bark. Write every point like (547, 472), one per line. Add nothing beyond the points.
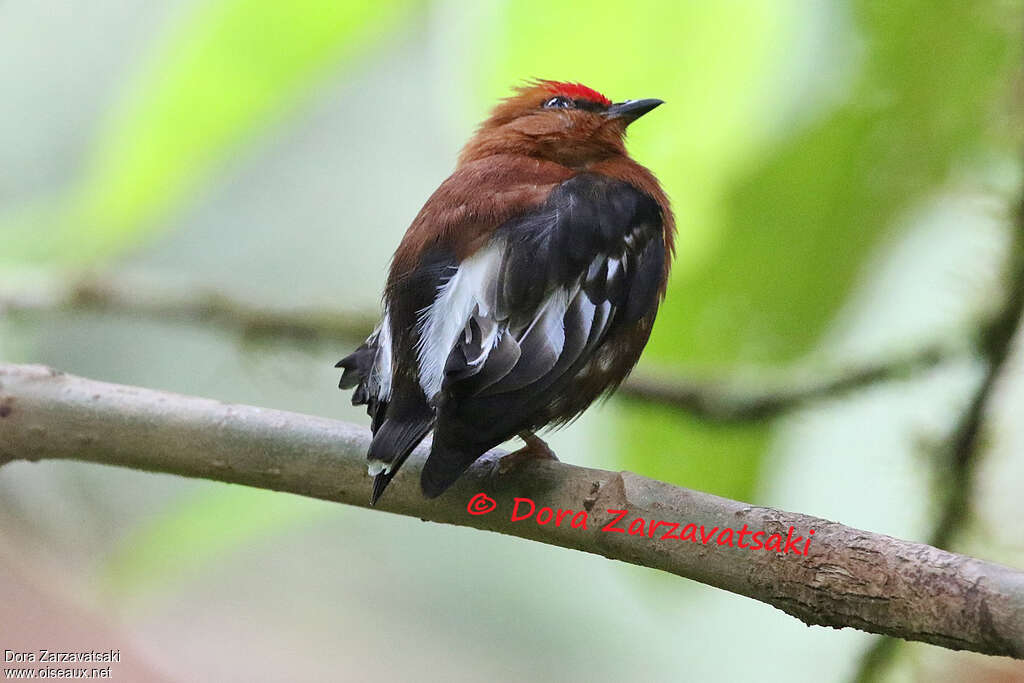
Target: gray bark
(849, 577)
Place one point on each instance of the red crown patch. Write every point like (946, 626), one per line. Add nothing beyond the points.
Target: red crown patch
(575, 91)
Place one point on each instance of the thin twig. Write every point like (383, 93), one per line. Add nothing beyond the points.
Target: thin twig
(847, 577)
(718, 400)
(141, 298)
(995, 345)
(964, 447)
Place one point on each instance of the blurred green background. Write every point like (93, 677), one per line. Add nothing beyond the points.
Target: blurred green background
(842, 174)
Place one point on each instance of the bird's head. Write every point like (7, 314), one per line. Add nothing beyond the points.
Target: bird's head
(564, 122)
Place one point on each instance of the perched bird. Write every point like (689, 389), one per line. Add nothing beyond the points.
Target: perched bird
(524, 290)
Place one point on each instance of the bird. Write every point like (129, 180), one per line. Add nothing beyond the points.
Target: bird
(524, 290)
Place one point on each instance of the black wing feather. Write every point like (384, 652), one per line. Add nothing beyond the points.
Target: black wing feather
(599, 243)
(402, 418)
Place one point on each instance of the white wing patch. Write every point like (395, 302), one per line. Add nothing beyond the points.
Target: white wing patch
(471, 289)
(471, 293)
(379, 382)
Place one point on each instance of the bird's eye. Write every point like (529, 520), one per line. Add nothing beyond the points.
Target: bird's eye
(558, 103)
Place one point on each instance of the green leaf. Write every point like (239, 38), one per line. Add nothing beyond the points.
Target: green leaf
(772, 234)
(712, 63)
(228, 70)
(797, 231)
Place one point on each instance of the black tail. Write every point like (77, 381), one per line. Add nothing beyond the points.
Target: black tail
(407, 422)
(392, 444)
(380, 482)
(444, 466)
(398, 424)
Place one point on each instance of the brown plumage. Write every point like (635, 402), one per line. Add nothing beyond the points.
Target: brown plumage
(525, 289)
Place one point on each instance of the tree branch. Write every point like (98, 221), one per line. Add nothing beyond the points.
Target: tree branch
(718, 400)
(995, 344)
(964, 446)
(849, 577)
(140, 297)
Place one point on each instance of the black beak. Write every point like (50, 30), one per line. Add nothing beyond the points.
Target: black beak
(631, 110)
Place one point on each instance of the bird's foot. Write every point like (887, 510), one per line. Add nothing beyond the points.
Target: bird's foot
(535, 449)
